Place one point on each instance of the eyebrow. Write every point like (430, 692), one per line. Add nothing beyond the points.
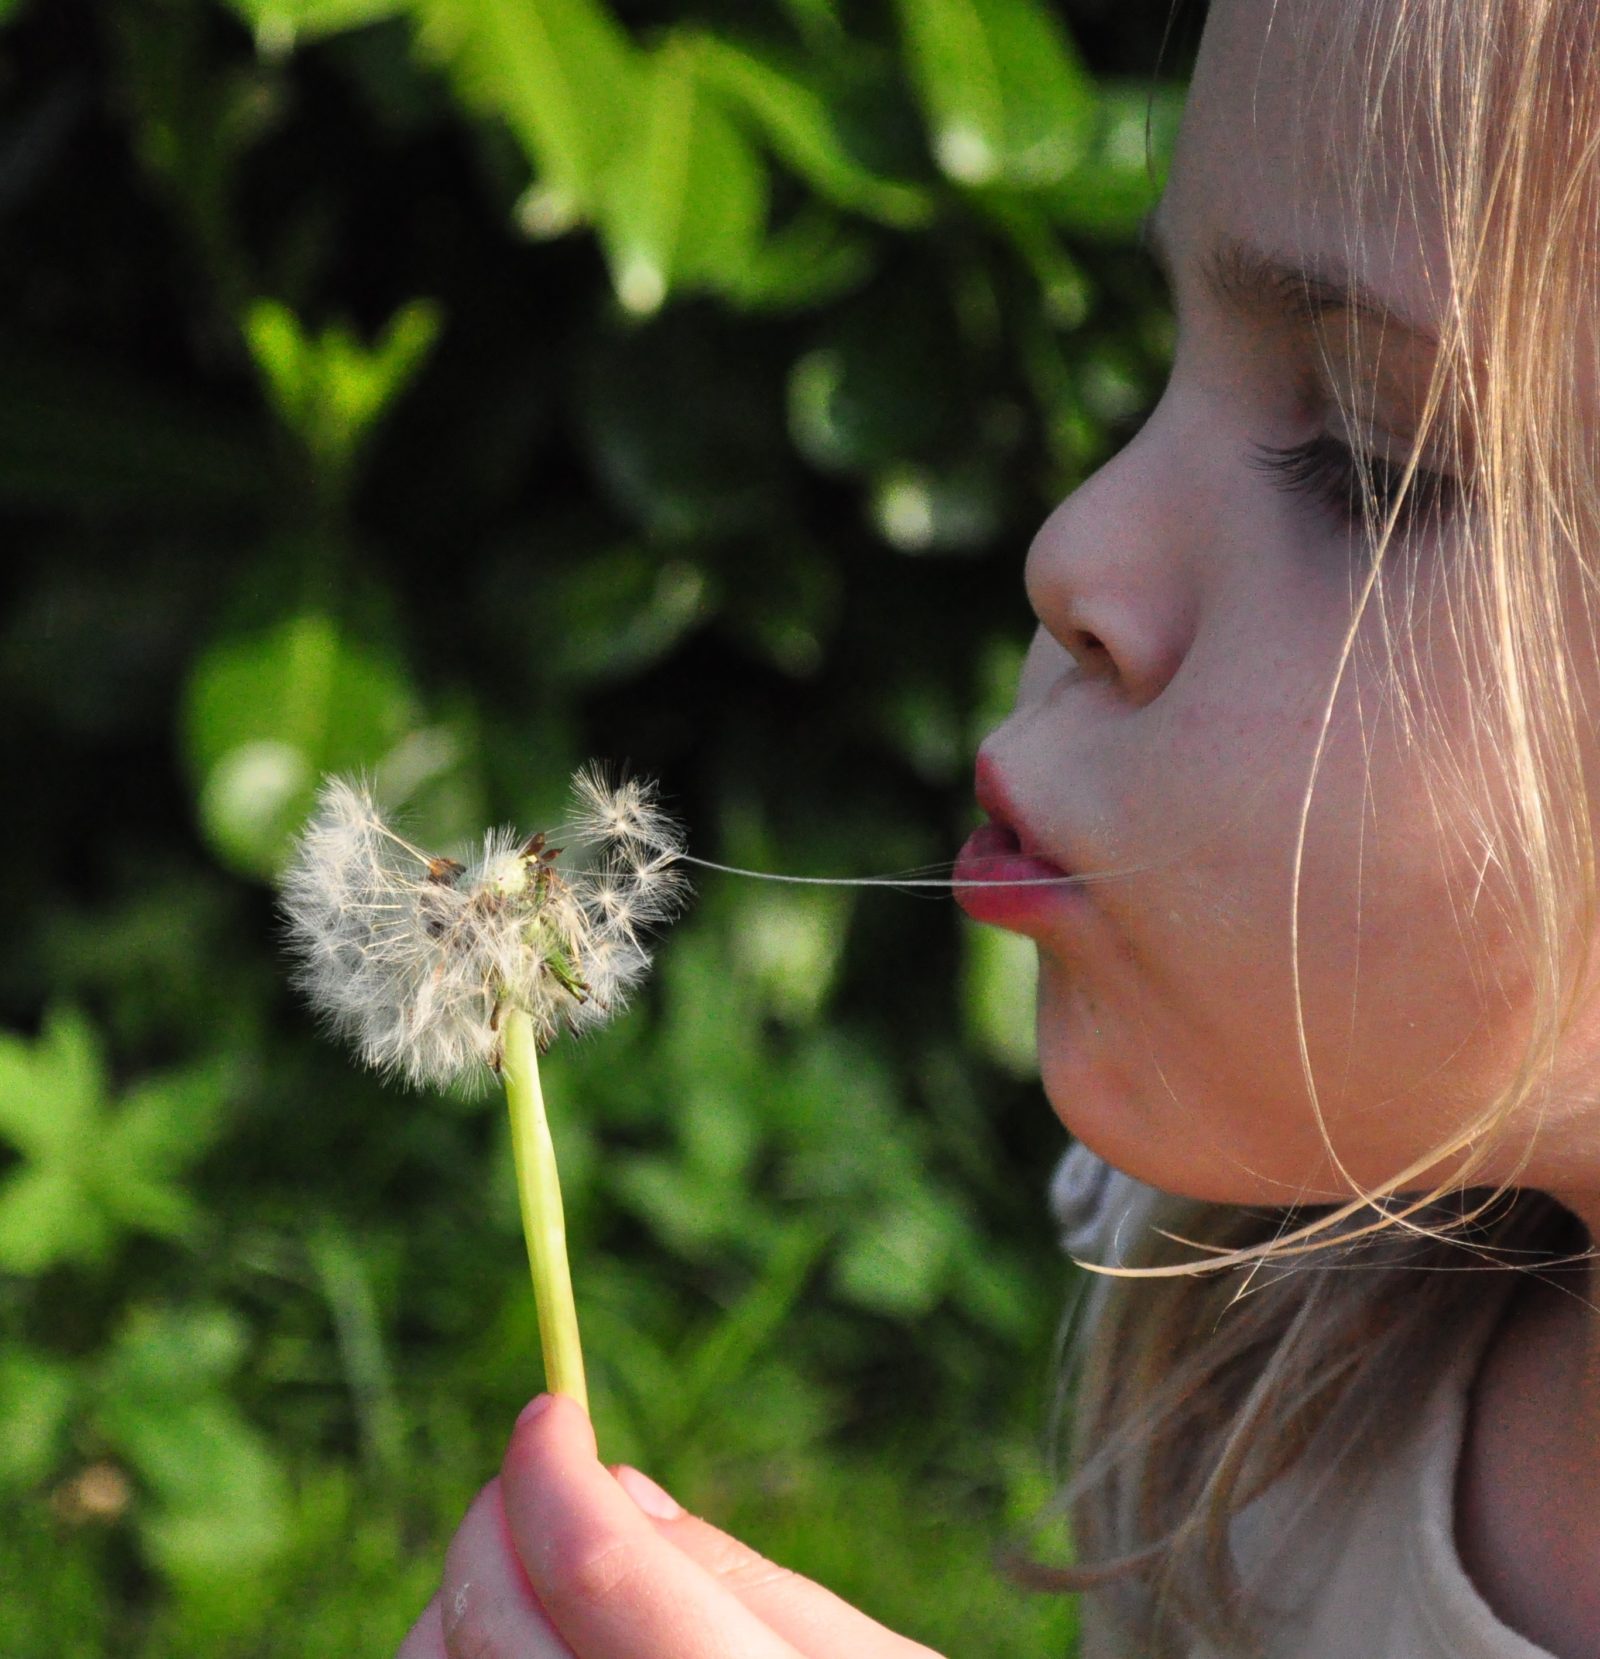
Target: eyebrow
(1248, 280)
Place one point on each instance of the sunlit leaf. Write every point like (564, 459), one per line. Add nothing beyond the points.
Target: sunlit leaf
(52, 1107)
(91, 1171)
(51, 1089)
(1005, 95)
(801, 126)
(330, 388)
(47, 1215)
(686, 201)
(280, 24)
(789, 942)
(562, 74)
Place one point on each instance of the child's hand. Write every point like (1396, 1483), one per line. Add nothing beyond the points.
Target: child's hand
(561, 1559)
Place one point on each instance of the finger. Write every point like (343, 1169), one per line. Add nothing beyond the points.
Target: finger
(610, 1584)
(487, 1608)
(426, 1640)
(802, 1612)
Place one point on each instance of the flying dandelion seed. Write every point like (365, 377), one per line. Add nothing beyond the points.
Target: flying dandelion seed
(414, 959)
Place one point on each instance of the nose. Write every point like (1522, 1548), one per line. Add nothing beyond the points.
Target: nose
(1110, 576)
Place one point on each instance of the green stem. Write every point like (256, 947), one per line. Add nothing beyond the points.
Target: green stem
(539, 1190)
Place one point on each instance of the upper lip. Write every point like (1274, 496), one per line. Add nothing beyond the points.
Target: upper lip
(995, 800)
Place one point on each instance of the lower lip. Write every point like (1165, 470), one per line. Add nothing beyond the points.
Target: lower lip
(987, 870)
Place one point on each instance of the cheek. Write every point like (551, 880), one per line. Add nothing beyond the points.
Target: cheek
(1171, 1033)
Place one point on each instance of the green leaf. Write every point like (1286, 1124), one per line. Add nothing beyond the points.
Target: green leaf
(689, 1211)
(52, 1101)
(686, 202)
(882, 385)
(1122, 172)
(330, 389)
(281, 24)
(231, 1515)
(267, 715)
(800, 125)
(48, 1216)
(736, 1339)
(36, 1399)
(562, 74)
(1003, 90)
(898, 1262)
(51, 1090)
(170, 1121)
(161, 1353)
(220, 1497)
(1026, 220)
(811, 259)
(91, 1172)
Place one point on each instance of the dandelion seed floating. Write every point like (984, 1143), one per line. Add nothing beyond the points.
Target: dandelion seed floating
(435, 969)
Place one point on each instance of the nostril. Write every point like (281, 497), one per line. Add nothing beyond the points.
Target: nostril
(1089, 651)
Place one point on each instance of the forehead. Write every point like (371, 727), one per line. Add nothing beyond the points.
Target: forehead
(1301, 135)
(1334, 130)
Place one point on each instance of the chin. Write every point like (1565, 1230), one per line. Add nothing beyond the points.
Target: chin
(1139, 1127)
(1114, 1095)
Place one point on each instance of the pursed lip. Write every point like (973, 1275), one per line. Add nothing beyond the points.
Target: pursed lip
(1001, 877)
(995, 801)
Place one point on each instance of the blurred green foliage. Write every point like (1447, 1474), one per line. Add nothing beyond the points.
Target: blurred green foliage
(457, 389)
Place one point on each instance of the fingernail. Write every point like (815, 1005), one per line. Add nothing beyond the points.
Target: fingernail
(536, 1407)
(649, 1497)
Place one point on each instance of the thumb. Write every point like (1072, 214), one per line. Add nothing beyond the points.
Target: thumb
(805, 1615)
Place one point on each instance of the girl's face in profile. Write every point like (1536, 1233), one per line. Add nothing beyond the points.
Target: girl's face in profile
(1193, 599)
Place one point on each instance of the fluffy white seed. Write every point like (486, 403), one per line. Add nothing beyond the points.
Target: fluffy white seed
(412, 959)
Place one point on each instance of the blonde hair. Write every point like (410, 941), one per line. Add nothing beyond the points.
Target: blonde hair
(1193, 1396)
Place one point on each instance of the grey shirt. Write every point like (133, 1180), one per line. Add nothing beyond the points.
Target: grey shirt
(1357, 1568)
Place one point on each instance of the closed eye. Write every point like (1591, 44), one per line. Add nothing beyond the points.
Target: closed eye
(1361, 491)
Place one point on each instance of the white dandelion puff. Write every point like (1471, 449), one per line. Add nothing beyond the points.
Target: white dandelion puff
(625, 813)
(414, 959)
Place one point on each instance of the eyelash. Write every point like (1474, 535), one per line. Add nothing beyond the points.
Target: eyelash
(1329, 473)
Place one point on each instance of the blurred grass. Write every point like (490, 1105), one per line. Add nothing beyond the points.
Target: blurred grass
(398, 385)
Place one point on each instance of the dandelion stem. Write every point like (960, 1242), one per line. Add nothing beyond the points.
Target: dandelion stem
(543, 1225)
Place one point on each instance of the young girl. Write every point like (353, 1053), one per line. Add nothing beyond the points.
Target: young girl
(1310, 726)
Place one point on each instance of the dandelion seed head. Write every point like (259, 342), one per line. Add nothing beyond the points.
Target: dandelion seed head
(412, 958)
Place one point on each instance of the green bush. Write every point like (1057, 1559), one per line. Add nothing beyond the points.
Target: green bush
(454, 390)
